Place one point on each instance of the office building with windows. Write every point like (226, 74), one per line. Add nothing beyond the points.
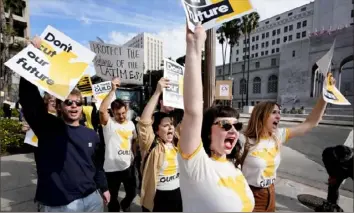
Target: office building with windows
(279, 41)
(153, 50)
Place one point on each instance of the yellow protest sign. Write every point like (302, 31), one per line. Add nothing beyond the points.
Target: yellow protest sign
(214, 12)
(57, 67)
(85, 86)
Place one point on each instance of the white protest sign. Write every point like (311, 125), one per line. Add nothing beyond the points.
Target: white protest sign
(173, 96)
(31, 138)
(224, 90)
(214, 12)
(100, 91)
(56, 67)
(330, 92)
(126, 63)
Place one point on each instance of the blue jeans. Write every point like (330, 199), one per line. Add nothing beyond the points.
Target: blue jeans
(91, 203)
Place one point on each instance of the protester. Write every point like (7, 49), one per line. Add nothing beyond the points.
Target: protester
(160, 180)
(6, 108)
(209, 182)
(120, 136)
(338, 161)
(70, 173)
(19, 110)
(261, 154)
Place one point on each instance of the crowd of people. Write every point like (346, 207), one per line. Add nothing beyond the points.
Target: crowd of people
(191, 160)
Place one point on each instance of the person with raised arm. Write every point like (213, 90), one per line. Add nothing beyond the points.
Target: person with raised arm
(119, 136)
(209, 181)
(160, 173)
(70, 172)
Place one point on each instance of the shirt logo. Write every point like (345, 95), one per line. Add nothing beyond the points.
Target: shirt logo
(89, 144)
(268, 155)
(171, 158)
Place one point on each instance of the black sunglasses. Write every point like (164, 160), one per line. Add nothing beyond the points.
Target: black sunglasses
(227, 125)
(68, 102)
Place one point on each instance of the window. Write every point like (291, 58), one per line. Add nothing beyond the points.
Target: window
(285, 38)
(252, 47)
(278, 31)
(252, 56)
(273, 42)
(291, 27)
(263, 35)
(257, 38)
(257, 64)
(256, 46)
(244, 49)
(266, 52)
(298, 35)
(303, 9)
(272, 84)
(267, 34)
(290, 14)
(293, 53)
(278, 18)
(267, 43)
(290, 37)
(277, 50)
(274, 32)
(253, 38)
(220, 71)
(267, 22)
(273, 62)
(236, 59)
(352, 13)
(304, 34)
(252, 103)
(262, 53)
(273, 51)
(256, 55)
(304, 23)
(237, 52)
(262, 44)
(278, 40)
(257, 83)
(243, 86)
(298, 25)
(285, 29)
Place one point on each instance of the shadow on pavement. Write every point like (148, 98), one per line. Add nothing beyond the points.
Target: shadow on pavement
(290, 204)
(18, 182)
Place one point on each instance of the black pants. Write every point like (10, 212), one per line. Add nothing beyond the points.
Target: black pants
(114, 179)
(339, 165)
(168, 201)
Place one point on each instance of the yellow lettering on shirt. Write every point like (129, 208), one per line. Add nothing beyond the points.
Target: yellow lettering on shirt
(238, 185)
(268, 155)
(171, 157)
(62, 70)
(124, 135)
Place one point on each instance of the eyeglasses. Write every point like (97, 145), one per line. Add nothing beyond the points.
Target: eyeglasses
(69, 102)
(227, 125)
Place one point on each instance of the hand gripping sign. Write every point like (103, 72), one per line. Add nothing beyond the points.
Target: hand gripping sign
(330, 93)
(100, 91)
(56, 67)
(214, 12)
(173, 96)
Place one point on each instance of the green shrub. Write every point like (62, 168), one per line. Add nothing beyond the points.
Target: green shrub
(11, 136)
(15, 113)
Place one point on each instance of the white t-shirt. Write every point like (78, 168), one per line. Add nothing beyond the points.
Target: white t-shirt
(118, 139)
(262, 161)
(168, 178)
(212, 185)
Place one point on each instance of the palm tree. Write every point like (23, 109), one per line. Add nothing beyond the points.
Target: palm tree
(249, 23)
(222, 40)
(12, 6)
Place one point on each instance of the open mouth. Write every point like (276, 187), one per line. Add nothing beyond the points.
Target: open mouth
(275, 124)
(169, 133)
(229, 142)
(73, 113)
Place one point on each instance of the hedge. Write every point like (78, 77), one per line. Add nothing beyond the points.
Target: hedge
(11, 137)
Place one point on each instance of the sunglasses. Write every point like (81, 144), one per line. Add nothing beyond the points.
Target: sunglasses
(68, 102)
(227, 125)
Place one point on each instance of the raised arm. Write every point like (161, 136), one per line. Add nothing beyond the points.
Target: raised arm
(146, 133)
(104, 115)
(192, 92)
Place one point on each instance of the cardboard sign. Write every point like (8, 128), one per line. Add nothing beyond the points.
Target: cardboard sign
(31, 138)
(85, 86)
(126, 63)
(100, 91)
(173, 96)
(212, 13)
(56, 67)
(330, 93)
(223, 90)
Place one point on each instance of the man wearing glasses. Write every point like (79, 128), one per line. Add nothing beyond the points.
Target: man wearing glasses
(70, 171)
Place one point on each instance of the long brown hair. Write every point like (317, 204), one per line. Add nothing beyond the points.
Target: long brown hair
(256, 126)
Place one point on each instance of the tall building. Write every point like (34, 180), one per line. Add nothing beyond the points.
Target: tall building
(295, 25)
(284, 51)
(153, 50)
(22, 29)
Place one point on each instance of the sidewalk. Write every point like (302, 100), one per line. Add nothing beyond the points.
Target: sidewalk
(287, 118)
(18, 185)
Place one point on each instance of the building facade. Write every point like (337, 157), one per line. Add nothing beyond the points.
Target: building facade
(284, 50)
(22, 29)
(153, 50)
